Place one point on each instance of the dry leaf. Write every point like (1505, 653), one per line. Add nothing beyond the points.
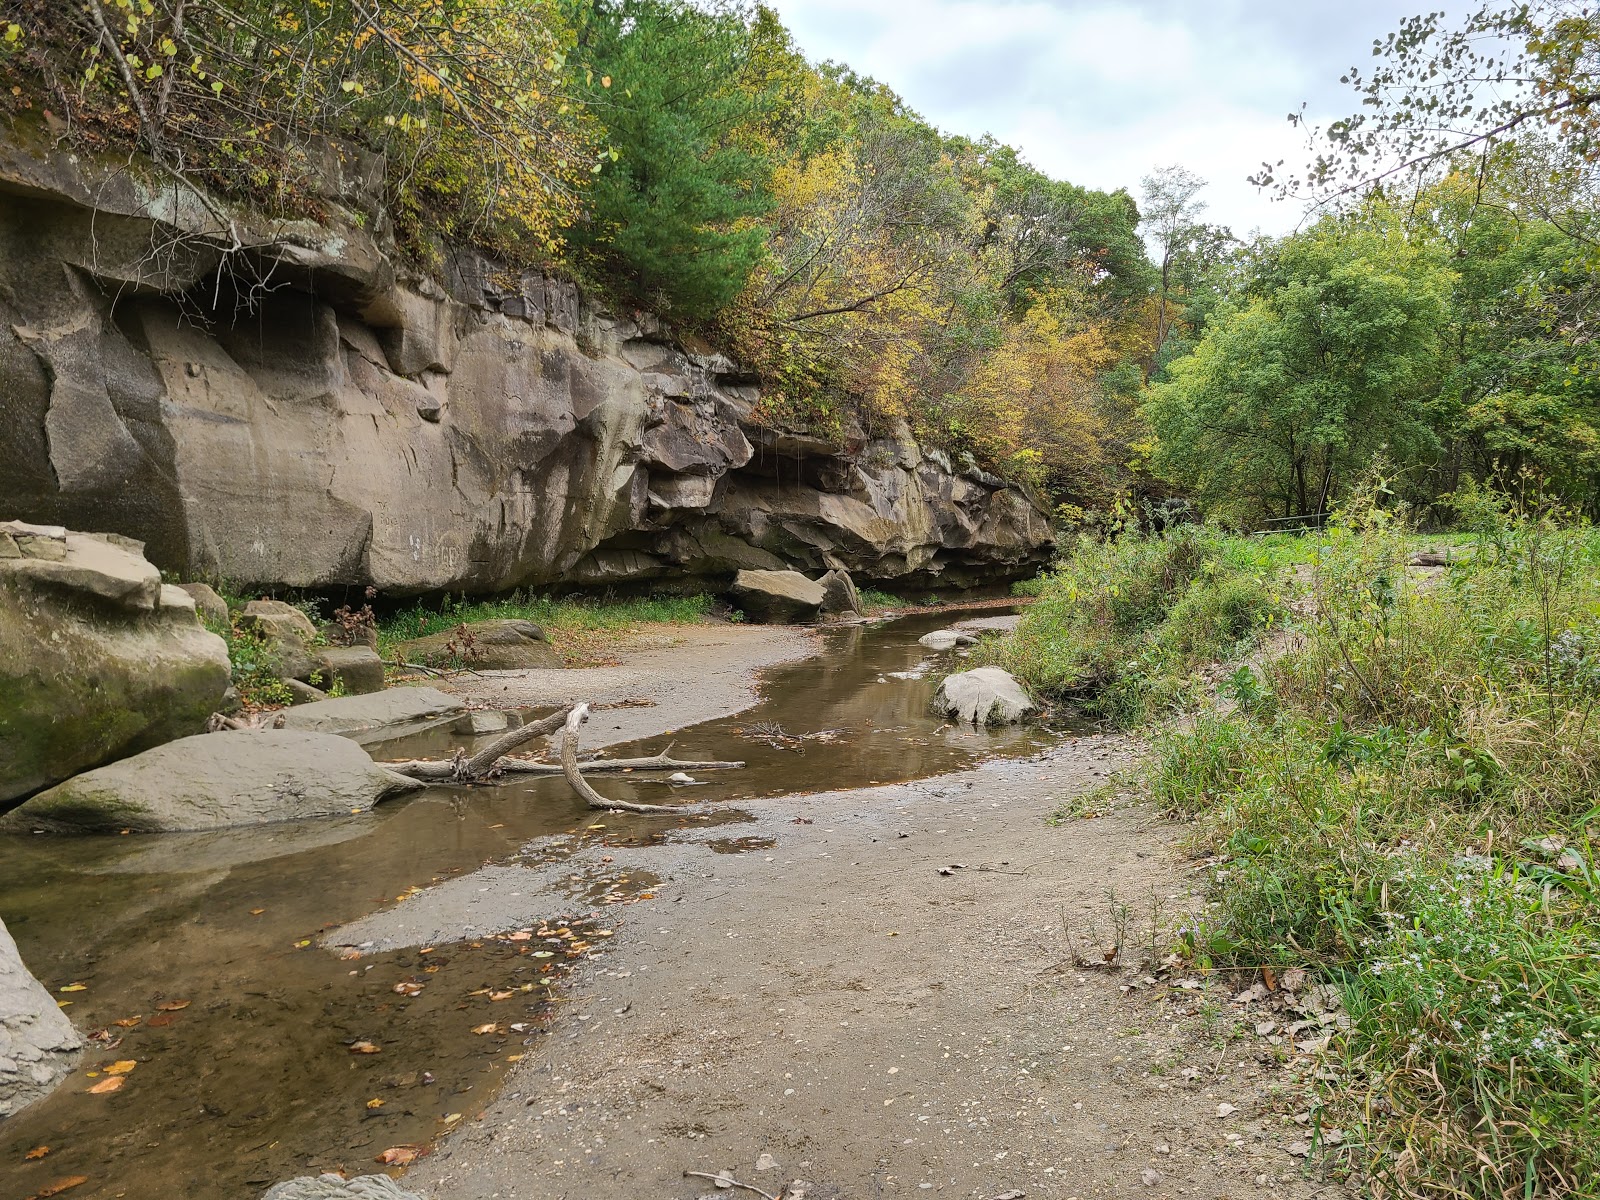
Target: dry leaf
(128, 1022)
(501, 995)
(75, 987)
(363, 1048)
(256, 912)
(398, 1156)
(121, 1066)
(161, 1020)
(107, 1085)
(489, 1028)
(37, 1152)
(59, 1186)
(374, 1103)
(174, 1005)
(406, 988)
(519, 936)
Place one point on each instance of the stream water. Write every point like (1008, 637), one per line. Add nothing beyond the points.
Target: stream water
(260, 1055)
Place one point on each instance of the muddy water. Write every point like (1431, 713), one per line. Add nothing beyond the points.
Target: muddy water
(245, 1029)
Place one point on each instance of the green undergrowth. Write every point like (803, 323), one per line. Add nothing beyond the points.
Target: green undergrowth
(1404, 800)
(559, 618)
(1123, 628)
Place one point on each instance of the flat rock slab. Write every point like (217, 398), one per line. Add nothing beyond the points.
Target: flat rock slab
(946, 639)
(335, 1187)
(777, 597)
(378, 717)
(214, 781)
(38, 1045)
(983, 696)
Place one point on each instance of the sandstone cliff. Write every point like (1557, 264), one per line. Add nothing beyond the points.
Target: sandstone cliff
(278, 403)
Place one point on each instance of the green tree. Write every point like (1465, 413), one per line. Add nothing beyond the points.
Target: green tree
(1331, 357)
(683, 93)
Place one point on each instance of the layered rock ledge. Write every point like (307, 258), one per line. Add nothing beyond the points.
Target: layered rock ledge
(281, 403)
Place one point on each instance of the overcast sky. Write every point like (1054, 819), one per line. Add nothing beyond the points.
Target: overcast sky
(1100, 93)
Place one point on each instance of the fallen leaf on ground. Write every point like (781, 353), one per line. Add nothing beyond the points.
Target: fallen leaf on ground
(363, 1048)
(121, 1066)
(161, 1020)
(256, 912)
(519, 936)
(37, 1152)
(174, 1005)
(374, 1103)
(501, 995)
(128, 1022)
(1226, 1110)
(59, 1186)
(107, 1085)
(75, 987)
(489, 1028)
(399, 1156)
(406, 988)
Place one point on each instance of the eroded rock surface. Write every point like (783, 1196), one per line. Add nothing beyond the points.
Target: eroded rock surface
(777, 597)
(38, 1045)
(214, 781)
(477, 432)
(98, 659)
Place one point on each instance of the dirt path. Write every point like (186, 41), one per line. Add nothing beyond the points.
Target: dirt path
(880, 1028)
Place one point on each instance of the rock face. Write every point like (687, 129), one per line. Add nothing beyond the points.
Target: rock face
(477, 432)
(983, 696)
(214, 781)
(98, 660)
(777, 597)
(38, 1045)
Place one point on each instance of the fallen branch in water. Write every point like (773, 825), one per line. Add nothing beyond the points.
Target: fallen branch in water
(569, 767)
(614, 766)
(485, 763)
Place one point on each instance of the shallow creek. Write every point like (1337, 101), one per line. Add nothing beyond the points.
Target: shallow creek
(249, 1036)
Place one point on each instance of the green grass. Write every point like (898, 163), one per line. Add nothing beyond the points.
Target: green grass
(872, 599)
(1122, 629)
(559, 618)
(1390, 809)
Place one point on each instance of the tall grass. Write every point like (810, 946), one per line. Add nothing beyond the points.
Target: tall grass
(1407, 806)
(1122, 628)
(558, 617)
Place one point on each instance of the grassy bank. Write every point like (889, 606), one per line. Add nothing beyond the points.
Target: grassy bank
(583, 630)
(1400, 797)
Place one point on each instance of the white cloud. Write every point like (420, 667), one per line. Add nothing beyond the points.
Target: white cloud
(1102, 93)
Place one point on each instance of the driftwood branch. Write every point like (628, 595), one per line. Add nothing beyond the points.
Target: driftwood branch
(222, 722)
(569, 767)
(726, 1180)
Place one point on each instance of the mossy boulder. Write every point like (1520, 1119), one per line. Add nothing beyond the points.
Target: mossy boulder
(213, 781)
(97, 661)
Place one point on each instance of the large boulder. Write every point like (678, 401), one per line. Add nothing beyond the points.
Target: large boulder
(38, 1045)
(286, 634)
(212, 607)
(214, 781)
(498, 645)
(378, 717)
(983, 696)
(777, 597)
(839, 595)
(97, 659)
(946, 639)
(358, 669)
